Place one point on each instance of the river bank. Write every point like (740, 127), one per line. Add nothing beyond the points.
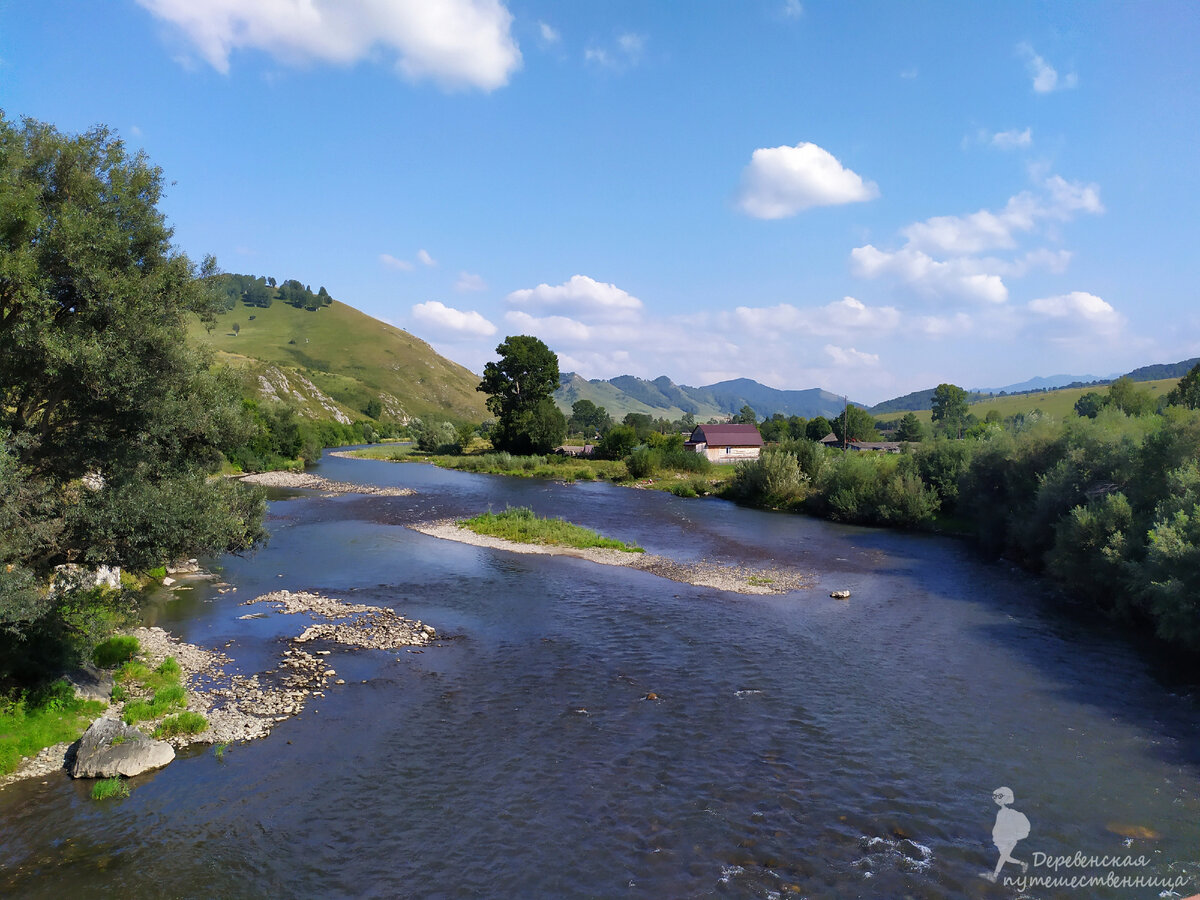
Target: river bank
(736, 579)
(240, 707)
(282, 479)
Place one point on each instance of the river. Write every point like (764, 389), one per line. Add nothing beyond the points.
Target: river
(800, 746)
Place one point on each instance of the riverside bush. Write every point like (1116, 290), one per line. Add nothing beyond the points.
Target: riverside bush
(521, 525)
(31, 720)
(116, 650)
(187, 722)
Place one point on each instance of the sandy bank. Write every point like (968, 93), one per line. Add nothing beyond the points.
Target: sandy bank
(736, 579)
(317, 483)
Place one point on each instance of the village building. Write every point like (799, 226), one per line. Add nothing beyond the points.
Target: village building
(726, 443)
(832, 440)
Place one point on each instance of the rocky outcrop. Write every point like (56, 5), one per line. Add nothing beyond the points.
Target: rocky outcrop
(110, 747)
(91, 683)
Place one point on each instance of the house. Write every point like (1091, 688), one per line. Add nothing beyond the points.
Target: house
(832, 440)
(726, 443)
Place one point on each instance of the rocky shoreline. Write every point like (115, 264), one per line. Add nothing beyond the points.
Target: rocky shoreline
(317, 483)
(736, 579)
(246, 707)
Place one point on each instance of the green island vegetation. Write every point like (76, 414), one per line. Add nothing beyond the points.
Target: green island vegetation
(112, 421)
(110, 788)
(521, 525)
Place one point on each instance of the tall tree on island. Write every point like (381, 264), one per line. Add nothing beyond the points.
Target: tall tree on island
(110, 420)
(950, 408)
(520, 385)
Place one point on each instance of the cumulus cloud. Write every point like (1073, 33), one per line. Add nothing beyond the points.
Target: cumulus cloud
(1045, 76)
(1078, 314)
(928, 276)
(450, 323)
(401, 265)
(456, 43)
(843, 316)
(782, 181)
(552, 329)
(425, 259)
(549, 33)
(468, 282)
(580, 295)
(987, 230)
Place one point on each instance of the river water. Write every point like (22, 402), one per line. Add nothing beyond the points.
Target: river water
(800, 747)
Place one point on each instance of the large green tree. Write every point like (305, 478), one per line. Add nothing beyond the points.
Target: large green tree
(950, 408)
(1187, 392)
(854, 424)
(519, 386)
(110, 420)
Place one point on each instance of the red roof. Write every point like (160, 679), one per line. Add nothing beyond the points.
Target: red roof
(727, 435)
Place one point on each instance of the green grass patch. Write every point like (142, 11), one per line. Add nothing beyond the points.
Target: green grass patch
(185, 723)
(116, 650)
(162, 685)
(521, 525)
(219, 750)
(109, 788)
(43, 718)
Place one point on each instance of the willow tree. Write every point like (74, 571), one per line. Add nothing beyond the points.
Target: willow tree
(110, 420)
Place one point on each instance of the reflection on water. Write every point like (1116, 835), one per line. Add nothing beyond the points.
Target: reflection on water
(798, 746)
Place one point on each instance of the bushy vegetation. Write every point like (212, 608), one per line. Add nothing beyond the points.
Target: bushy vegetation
(31, 720)
(161, 690)
(115, 650)
(521, 525)
(187, 722)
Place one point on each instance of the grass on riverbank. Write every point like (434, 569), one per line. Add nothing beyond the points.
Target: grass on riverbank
(161, 690)
(107, 788)
(519, 524)
(30, 722)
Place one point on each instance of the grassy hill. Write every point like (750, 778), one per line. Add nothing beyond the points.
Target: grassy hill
(1059, 403)
(331, 362)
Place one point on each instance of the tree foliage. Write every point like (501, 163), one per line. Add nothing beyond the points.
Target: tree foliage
(519, 386)
(109, 420)
(950, 408)
(1187, 392)
(854, 424)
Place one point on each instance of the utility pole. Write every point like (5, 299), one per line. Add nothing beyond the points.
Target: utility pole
(845, 420)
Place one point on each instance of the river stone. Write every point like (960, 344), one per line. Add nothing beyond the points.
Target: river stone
(91, 683)
(98, 757)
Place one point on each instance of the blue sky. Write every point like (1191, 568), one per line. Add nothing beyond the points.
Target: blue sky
(871, 198)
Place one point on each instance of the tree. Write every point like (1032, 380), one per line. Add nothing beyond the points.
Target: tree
(746, 416)
(373, 409)
(855, 424)
(517, 383)
(1187, 392)
(1089, 405)
(1127, 397)
(110, 420)
(236, 329)
(910, 429)
(588, 418)
(641, 423)
(817, 428)
(950, 407)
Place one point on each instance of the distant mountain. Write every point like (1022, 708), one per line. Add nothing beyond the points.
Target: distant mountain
(915, 401)
(1047, 382)
(1165, 370)
(662, 398)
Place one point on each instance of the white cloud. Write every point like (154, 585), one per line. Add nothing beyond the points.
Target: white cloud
(909, 74)
(793, 9)
(402, 265)
(456, 43)
(549, 328)
(624, 54)
(843, 316)
(548, 33)
(425, 259)
(449, 322)
(582, 296)
(1045, 76)
(1078, 314)
(927, 276)
(848, 356)
(782, 181)
(468, 282)
(944, 326)
(986, 230)
(1011, 139)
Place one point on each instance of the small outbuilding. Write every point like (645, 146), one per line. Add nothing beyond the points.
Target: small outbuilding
(726, 443)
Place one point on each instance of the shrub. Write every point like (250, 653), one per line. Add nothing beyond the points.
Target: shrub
(115, 651)
(641, 463)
